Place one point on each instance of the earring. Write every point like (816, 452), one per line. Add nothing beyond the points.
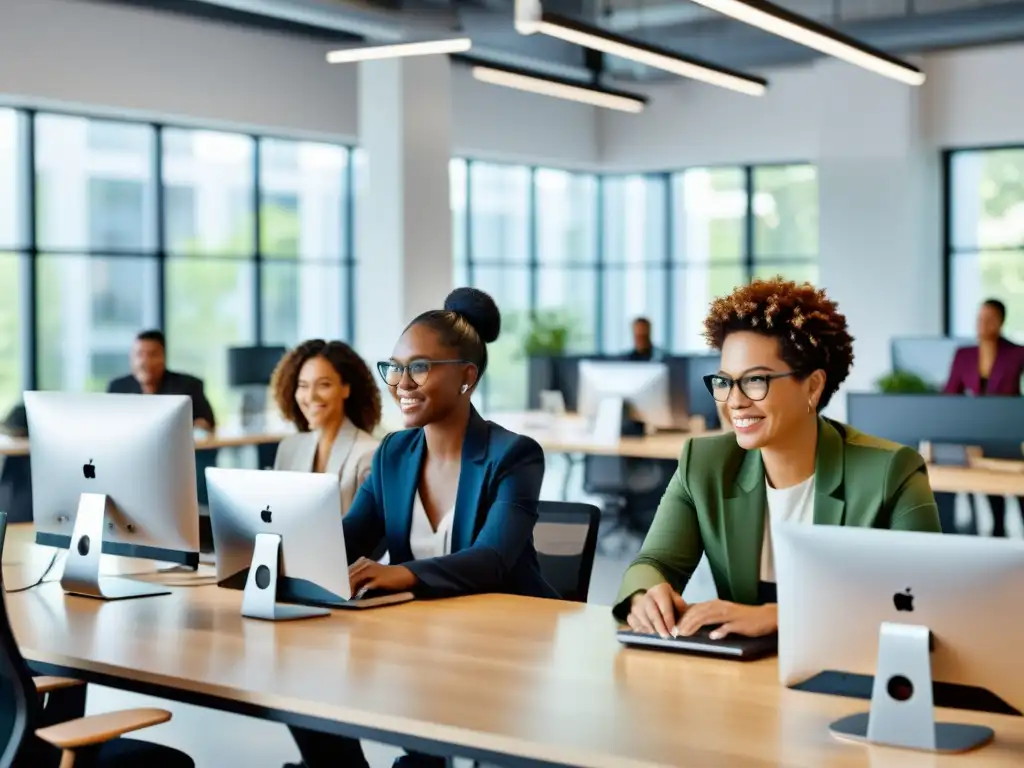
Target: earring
(465, 388)
(810, 406)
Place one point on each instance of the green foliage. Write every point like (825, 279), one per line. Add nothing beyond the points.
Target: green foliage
(548, 334)
(903, 383)
(1002, 183)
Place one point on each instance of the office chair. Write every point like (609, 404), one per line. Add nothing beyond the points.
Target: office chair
(29, 738)
(566, 540)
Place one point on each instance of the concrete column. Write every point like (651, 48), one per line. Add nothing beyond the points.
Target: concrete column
(404, 220)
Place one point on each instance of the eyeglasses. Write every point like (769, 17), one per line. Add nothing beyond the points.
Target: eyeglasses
(754, 387)
(419, 370)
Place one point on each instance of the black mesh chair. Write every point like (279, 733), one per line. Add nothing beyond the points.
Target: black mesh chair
(566, 539)
(27, 739)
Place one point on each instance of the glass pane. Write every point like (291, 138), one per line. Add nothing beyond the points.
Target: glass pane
(499, 207)
(710, 211)
(457, 195)
(695, 287)
(13, 281)
(629, 293)
(505, 381)
(94, 184)
(209, 308)
(799, 271)
(88, 312)
(303, 301)
(12, 193)
(785, 211)
(304, 199)
(993, 275)
(566, 217)
(570, 296)
(634, 220)
(209, 194)
(987, 199)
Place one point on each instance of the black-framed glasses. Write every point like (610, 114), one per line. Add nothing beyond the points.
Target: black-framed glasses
(754, 386)
(419, 370)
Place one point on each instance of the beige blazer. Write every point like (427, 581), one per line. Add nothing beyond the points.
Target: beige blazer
(350, 459)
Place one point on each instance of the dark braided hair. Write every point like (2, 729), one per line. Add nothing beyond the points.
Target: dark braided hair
(363, 407)
(811, 331)
(469, 322)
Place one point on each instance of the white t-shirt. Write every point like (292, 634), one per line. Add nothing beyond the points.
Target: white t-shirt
(424, 541)
(795, 505)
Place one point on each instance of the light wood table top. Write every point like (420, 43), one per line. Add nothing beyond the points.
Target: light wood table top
(486, 676)
(1003, 479)
(230, 437)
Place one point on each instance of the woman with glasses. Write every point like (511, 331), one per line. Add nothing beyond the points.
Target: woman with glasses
(326, 390)
(785, 350)
(453, 496)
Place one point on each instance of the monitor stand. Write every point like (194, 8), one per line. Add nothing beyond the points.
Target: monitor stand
(259, 600)
(82, 567)
(902, 706)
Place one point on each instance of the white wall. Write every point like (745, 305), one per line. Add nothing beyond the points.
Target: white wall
(126, 59)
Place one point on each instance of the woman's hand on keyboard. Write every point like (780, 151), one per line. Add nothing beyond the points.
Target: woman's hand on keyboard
(655, 611)
(735, 619)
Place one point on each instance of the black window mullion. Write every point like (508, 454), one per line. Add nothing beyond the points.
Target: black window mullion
(469, 225)
(947, 244)
(31, 283)
(669, 288)
(257, 280)
(532, 257)
(748, 223)
(160, 202)
(599, 264)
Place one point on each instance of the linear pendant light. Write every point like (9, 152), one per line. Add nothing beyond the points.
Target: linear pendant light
(396, 50)
(779, 21)
(559, 88)
(553, 25)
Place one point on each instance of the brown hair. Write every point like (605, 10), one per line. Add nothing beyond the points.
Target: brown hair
(811, 332)
(363, 407)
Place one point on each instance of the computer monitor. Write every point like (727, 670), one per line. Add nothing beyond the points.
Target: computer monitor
(643, 387)
(289, 525)
(113, 474)
(931, 617)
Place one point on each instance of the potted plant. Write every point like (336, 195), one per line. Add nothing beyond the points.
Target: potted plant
(903, 383)
(547, 336)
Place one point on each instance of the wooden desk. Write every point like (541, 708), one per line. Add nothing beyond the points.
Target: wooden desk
(1005, 481)
(501, 678)
(224, 438)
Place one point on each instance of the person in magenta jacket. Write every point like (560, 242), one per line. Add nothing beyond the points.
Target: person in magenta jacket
(995, 365)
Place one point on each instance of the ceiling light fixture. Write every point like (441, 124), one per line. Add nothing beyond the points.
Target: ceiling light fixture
(559, 88)
(778, 21)
(397, 50)
(531, 19)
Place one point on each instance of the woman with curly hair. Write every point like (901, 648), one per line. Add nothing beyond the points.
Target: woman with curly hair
(785, 351)
(326, 390)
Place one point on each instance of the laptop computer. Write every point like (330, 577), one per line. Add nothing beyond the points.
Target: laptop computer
(732, 647)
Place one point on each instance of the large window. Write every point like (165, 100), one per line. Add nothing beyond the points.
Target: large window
(596, 252)
(109, 227)
(985, 235)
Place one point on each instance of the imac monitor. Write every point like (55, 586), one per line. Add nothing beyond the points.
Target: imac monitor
(278, 536)
(910, 620)
(644, 387)
(114, 474)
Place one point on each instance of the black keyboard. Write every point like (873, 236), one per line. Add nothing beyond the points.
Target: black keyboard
(731, 647)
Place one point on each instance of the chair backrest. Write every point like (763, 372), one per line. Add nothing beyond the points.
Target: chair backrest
(18, 704)
(566, 539)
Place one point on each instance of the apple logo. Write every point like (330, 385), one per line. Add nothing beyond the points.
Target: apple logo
(903, 601)
(266, 514)
(89, 471)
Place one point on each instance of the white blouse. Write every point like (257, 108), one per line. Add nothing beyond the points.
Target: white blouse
(424, 540)
(795, 505)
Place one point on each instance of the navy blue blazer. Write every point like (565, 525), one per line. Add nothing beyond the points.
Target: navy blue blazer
(495, 513)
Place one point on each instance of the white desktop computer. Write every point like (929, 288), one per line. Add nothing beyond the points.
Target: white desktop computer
(116, 475)
(933, 618)
(642, 388)
(278, 536)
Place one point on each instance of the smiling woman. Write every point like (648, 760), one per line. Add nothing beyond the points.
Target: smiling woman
(785, 351)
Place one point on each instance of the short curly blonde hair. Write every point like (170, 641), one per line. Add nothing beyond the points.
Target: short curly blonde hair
(811, 331)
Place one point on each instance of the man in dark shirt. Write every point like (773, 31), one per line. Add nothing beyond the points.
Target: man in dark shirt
(643, 349)
(150, 377)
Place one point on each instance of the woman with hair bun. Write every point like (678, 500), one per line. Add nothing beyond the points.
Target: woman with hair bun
(453, 496)
(785, 351)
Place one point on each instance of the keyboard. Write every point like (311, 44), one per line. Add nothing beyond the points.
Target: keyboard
(731, 647)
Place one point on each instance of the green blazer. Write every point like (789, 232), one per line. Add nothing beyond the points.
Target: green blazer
(716, 503)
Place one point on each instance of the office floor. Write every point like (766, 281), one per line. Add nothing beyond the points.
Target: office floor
(218, 740)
